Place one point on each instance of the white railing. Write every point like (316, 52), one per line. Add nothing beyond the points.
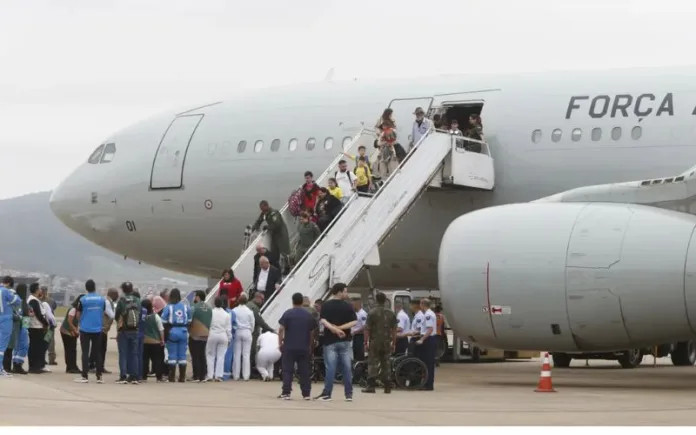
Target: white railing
(340, 253)
(244, 266)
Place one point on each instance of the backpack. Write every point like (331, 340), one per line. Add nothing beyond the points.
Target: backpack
(295, 202)
(131, 316)
(350, 177)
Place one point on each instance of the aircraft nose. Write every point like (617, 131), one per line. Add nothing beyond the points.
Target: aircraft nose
(60, 203)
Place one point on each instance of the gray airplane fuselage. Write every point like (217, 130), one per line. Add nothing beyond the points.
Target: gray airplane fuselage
(197, 225)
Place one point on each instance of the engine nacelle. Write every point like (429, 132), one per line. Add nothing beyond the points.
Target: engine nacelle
(570, 276)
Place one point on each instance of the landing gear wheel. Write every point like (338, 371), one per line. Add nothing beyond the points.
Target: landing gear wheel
(684, 354)
(561, 360)
(631, 358)
(411, 374)
(475, 355)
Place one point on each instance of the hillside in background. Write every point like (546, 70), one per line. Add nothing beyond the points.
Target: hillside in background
(32, 239)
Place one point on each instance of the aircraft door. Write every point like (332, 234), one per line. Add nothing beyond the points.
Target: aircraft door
(403, 115)
(168, 164)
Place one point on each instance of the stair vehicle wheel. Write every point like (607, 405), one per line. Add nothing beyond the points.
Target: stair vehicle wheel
(441, 348)
(561, 360)
(631, 358)
(475, 354)
(684, 353)
(411, 373)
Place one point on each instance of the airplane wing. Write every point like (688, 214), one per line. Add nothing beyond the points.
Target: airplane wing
(676, 193)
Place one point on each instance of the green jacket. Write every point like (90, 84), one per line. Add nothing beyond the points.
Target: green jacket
(121, 309)
(307, 234)
(201, 318)
(258, 320)
(276, 228)
(381, 326)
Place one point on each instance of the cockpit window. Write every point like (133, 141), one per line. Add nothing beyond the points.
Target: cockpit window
(109, 152)
(96, 155)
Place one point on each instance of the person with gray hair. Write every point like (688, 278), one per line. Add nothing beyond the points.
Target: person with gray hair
(268, 279)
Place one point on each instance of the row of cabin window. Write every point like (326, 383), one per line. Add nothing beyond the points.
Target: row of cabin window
(292, 144)
(596, 134)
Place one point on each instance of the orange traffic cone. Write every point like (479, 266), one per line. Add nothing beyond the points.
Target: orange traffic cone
(545, 379)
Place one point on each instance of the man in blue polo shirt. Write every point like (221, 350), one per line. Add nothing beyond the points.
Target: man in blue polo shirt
(92, 308)
(296, 342)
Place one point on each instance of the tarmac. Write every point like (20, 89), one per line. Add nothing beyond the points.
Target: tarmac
(490, 393)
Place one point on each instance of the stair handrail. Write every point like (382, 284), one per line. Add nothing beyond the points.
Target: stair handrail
(316, 243)
(389, 179)
(323, 177)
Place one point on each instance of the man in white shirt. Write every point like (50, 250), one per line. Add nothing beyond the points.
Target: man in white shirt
(402, 330)
(219, 336)
(346, 180)
(267, 355)
(244, 325)
(420, 126)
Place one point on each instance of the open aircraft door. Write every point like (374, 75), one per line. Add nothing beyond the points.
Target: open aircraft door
(403, 115)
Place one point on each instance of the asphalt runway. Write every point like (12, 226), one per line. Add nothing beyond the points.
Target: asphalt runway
(491, 393)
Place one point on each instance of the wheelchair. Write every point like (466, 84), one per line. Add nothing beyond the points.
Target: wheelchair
(408, 372)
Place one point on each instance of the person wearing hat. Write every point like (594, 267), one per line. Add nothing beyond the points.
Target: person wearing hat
(421, 125)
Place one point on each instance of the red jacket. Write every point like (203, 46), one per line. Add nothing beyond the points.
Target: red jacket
(310, 192)
(233, 289)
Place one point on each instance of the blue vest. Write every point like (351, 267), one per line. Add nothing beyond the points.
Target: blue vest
(176, 315)
(8, 301)
(92, 316)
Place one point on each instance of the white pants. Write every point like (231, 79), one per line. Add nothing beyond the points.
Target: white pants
(265, 360)
(242, 354)
(215, 354)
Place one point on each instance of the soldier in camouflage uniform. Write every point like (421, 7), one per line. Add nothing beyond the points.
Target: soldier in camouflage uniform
(380, 338)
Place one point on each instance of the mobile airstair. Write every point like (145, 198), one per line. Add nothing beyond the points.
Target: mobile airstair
(353, 238)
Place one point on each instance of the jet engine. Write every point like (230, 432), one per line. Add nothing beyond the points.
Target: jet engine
(570, 276)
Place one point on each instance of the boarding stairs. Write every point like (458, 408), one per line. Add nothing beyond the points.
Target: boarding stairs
(366, 220)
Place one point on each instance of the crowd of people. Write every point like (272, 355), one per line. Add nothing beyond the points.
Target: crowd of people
(158, 335)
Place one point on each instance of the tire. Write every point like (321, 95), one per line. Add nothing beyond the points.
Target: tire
(684, 354)
(561, 360)
(441, 348)
(476, 355)
(631, 358)
(411, 374)
(360, 373)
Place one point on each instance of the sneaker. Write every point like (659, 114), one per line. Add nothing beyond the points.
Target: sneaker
(4, 374)
(100, 380)
(323, 398)
(46, 370)
(81, 380)
(349, 398)
(284, 396)
(122, 381)
(162, 381)
(306, 398)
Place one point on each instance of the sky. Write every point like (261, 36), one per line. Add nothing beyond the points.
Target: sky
(74, 71)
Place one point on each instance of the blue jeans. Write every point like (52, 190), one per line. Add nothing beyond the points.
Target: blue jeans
(338, 354)
(128, 354)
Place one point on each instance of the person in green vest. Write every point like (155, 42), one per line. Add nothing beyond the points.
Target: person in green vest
(201, 315)
(260, 324)
(153, 343)
(69, 332)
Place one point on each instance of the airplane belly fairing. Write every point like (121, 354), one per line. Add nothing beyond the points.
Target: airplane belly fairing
(569, 277)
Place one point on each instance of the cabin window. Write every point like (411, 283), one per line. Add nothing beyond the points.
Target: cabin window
(292, 145)
(576, 134)
(96, 155)
(636, 132)
(275, 145)
(596, 134)
(311, 142)
(258, 146)
(536, 136)
(616, 133)
(346, 141)
(109, 152)
(328, 143)
(556, 135)
(241, 147)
